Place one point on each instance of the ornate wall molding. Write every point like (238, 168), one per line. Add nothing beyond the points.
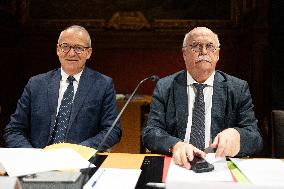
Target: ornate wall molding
(133, 20)
(169, 18)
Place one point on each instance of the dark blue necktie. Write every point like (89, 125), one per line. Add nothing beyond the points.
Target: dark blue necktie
(64, 112)
(197, 134)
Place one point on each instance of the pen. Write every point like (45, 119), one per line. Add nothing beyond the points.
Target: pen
(95, 182)
(155, 185)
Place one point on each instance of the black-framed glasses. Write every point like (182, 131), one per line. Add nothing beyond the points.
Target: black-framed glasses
(65, 47)
(198, 47)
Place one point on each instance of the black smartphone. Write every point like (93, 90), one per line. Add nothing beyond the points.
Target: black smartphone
(200, 165)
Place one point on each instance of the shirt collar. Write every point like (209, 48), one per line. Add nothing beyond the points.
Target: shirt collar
(208, 82)
(64, 76)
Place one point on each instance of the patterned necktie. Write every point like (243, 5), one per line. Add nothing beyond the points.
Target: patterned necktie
(197, 135)
(63, 116)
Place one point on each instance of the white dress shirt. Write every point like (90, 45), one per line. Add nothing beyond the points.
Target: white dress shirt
(208, 93)
(64, 84)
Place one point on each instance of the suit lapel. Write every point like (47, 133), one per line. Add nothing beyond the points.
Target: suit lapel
(84, 86)
(219, 98)
(219, 104)
(53, 93)
(181, 102)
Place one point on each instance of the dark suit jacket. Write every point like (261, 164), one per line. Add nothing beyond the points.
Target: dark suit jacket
(231, 108)
(93, 112)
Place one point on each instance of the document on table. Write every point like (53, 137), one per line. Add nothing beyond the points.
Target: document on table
(23, 161)
(84, 151)
(221, 172)
(109, 178)
(262, 171)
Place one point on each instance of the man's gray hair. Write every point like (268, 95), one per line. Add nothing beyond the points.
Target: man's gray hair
(77, 28)
(184, 44)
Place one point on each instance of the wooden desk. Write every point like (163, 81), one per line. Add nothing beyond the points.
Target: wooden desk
(131, 124)
(124, 160)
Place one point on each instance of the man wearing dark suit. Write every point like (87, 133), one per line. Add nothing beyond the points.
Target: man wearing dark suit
(87, 116)
(229, 124)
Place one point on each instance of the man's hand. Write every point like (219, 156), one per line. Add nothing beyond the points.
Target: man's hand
(227, 143)
(183, 152)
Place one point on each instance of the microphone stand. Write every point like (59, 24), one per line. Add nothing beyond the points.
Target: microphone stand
(100, 148)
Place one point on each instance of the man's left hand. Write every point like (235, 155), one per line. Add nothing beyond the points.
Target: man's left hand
(227, 143)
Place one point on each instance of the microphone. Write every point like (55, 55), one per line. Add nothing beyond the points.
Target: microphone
(154, 78)
(100, 148)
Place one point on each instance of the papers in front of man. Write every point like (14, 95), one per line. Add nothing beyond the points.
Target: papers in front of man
(221, 172)
(23, 161)
(262, 174)
(109, 178)
(84, 151)
(218, 185)
(262, 171)
(10, 183)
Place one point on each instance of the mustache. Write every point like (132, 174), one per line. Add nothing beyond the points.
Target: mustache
(203, 58)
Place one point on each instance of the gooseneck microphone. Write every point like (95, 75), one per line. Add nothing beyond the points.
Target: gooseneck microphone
(101, 146)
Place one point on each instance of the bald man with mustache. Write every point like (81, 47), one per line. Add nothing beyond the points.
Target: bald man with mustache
(201, 108)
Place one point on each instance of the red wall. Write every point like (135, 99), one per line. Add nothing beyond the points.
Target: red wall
(129, 66)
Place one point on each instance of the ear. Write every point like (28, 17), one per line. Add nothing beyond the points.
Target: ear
(184, 54)
(217, 53)
(89, 53)
(57, 50)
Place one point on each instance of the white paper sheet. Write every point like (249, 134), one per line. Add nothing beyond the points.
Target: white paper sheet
(221, 172)
(218, 185)
(21, 161)
(109, 178)
(210, 158)
(262, 171)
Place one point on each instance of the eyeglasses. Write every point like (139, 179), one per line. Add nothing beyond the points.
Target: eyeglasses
(65, 47)
(198, 47)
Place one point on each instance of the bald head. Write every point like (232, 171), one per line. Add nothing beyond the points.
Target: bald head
(76, 29)
(73, 49)
(198, 30)
(201, 53)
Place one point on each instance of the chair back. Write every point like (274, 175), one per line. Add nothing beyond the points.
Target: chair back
(277, 124)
